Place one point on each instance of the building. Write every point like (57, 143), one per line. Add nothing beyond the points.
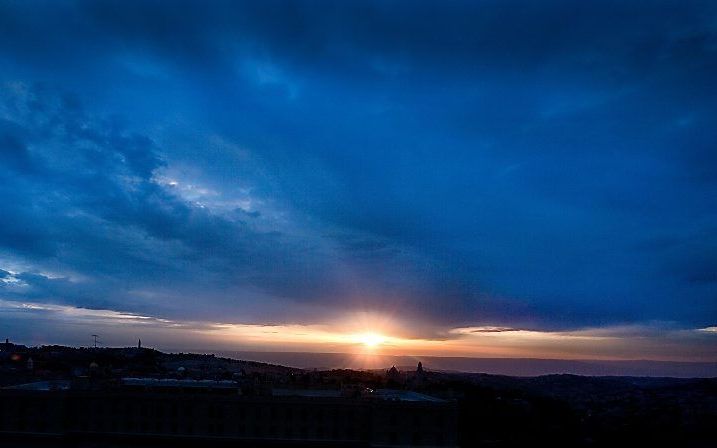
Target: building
(136, 411)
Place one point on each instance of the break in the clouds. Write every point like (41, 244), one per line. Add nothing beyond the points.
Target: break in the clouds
(548, 166)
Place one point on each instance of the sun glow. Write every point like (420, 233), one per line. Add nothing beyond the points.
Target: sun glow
(371, 340)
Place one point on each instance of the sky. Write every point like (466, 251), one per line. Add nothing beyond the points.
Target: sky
(484, 178)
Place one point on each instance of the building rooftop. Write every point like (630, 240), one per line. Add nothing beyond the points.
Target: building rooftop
(381, 394)
(42, 385)
(313, 393)
(404, 395)
(171, 382)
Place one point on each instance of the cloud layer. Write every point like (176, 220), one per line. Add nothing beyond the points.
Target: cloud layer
(489, 165)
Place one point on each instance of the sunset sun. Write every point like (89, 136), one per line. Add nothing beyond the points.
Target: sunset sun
(371, 340)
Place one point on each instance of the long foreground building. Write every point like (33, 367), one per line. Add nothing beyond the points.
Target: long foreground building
(163, 412)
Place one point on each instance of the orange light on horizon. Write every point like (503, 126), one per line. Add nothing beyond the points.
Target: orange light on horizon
(371, 340)
(372, 336)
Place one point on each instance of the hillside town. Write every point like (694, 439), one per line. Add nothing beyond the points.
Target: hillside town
(140, 395)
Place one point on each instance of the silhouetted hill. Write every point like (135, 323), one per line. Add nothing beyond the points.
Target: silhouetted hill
(497, 366)
(495, 410)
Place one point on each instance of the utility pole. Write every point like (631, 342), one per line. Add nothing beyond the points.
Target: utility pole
(94, 336)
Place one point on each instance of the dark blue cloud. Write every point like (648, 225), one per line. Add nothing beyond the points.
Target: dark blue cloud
(547, 165)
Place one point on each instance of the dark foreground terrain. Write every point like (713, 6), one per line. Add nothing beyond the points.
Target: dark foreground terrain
(491, 410)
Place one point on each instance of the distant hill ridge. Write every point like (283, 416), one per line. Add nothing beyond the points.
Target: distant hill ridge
(496, 366)
(527, 367)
